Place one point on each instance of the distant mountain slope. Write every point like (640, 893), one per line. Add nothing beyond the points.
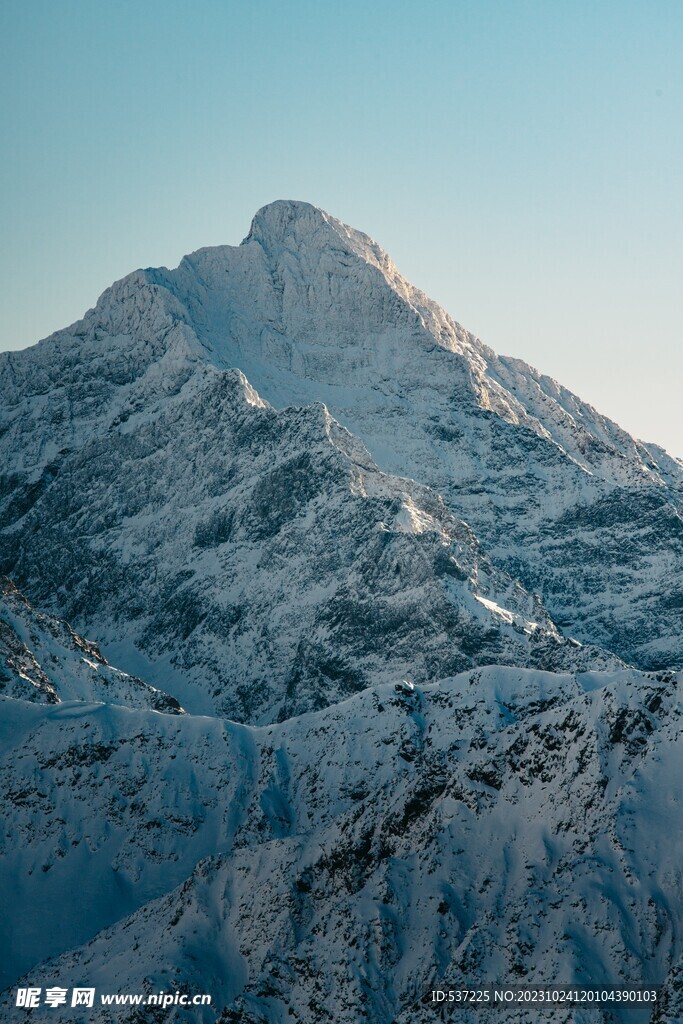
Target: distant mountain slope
(311, 310)
(44, 661)
(504, 825)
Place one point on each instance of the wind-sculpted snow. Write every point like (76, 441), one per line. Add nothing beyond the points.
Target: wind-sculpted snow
(43, 660)
(261, 563)
(312, 311)
(504, 826)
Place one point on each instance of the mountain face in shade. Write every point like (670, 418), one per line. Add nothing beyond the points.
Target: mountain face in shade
(43, 661)
(506, 824)
(154, 496)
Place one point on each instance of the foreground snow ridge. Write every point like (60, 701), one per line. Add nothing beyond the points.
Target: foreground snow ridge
(503, 824)
(383, 692)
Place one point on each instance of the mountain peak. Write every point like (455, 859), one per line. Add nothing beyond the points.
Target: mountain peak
(293, 224)
(288, 219)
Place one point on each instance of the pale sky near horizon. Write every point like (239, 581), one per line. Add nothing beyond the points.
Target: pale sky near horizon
(520, 160)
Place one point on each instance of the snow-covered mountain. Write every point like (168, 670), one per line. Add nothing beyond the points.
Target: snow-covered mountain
(271, 483)
(504, 824)
(310, 310)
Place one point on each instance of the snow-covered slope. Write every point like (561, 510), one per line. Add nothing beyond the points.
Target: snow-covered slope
(257, 563)
(311, 310)
(505, 825)
(43, 660)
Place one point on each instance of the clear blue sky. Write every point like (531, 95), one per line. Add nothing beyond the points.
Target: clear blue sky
(521, 160)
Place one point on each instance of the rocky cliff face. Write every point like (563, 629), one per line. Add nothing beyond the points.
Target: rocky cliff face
(271, 483)
(257, 563)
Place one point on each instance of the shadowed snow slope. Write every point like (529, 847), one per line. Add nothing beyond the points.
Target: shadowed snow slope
(42, 660)
(505, 824)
